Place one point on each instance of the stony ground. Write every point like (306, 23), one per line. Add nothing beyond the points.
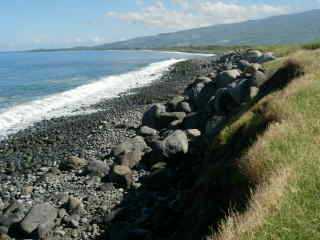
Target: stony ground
(41, 164)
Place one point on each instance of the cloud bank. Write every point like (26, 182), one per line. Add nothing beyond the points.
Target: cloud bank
(191, 13)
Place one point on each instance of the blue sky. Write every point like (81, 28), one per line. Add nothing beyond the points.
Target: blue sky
(27, 24)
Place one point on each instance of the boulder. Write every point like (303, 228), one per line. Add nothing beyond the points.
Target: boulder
(206, 93)
(158, 165)
(175, 124)
(175, 143)
(147, 131)
(223, 103)
(212, 75)
(243, 65)
(166, 118)
(240, 92)
(253, 68)
(202, 79)
(158, 118)
(130, 153)
(121, 175)
(130, 159)
(97, 168)
(266, 57)
(193, 91)
(213, 127)
(44, 229)
(160, 179)
(227, 77)
(13, 214)
(41, 214)
(254, 91)
(150, 117)
(74, 205)
(73, 163)
(253, 56)
(134, 144)
(184, 107)
(4, 236)
(195, 120)
(228, 99)
(258, 78)
(193, 133)
(172, 105)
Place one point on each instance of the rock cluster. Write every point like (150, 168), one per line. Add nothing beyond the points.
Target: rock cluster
(172, 133)
(169, 128)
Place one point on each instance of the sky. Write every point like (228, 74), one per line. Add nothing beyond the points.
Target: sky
(30, 24)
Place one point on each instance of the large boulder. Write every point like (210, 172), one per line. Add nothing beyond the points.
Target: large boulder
(227, 77)
(122, 175)
(253, 68)
(175, 143)
(134, 144)
(193, 91)
(193, 133)
(97, 168)
(130, 159)
(184, 107)
(150, 117)
(157, 117)
(73, 163)
(206, 93)
(228, 99)
(240, 92)
(202, 79)
(195, 120)
(42, 215)
(173, 103)
(130, 153)
(258, 78)
(147, 131)
(266, 57)
(13, 214)
(213, 127)
(243, 64)
(253, 56)
(166, 118)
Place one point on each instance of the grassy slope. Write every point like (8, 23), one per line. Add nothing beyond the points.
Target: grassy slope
(284, 161)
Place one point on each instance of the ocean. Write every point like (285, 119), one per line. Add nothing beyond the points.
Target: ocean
(35, 86)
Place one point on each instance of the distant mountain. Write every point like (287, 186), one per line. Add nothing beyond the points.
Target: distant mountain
(294, 28)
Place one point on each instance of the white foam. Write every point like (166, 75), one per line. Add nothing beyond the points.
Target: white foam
(67, 103)
(185, 53)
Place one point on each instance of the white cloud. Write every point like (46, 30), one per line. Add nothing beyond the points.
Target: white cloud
(193, 13)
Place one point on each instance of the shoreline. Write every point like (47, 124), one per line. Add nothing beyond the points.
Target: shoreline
(79, 100)
(171, 81)
(31, 157)
(140, 50)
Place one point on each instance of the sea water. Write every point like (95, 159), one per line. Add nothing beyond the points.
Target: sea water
(42, 85)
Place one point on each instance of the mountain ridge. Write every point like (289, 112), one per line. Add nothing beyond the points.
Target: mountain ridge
(292, 28)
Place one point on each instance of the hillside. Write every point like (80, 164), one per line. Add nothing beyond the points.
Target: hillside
(281, 160)
(295, 28)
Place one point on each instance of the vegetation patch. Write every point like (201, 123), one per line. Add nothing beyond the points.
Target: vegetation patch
(283, 163)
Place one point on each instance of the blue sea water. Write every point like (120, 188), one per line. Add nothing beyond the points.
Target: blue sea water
(41, 85)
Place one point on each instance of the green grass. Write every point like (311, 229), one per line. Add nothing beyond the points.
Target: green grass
(212, 49)
(278, 50)
(312, 46)
(299, 215)
(292, 144)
